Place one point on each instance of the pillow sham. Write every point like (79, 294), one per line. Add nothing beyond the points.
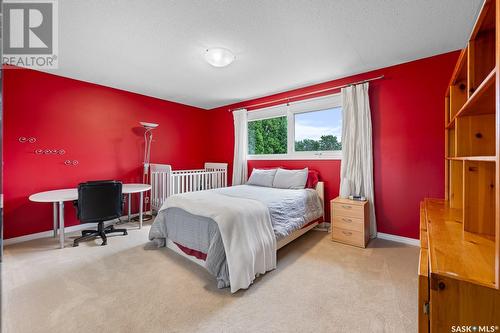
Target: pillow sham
(312, 179)
(312, 176)
(290, 179)
(262, 177)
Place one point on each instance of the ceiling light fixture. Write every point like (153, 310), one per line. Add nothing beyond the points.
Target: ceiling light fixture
(219, 57)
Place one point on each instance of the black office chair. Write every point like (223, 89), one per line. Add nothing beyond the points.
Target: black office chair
(99, 201)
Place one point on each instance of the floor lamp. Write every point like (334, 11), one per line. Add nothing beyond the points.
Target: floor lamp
(148, 138)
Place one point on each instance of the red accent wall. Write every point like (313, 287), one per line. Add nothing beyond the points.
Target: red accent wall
(408, 139)
(96, 125)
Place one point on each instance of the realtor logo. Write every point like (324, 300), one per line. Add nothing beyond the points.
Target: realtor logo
(30, 33)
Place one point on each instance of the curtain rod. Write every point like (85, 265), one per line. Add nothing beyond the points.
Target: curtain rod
(287, 99)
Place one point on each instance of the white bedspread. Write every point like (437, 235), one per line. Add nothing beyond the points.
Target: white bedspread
(246, 231)
(290, 210)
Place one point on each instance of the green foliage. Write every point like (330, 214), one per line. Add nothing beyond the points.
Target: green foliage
(307, 145)
(327, 142)
(267, 136)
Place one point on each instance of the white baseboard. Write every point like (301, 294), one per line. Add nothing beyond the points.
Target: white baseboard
(46, 234)
(399, 239)
(50, 233)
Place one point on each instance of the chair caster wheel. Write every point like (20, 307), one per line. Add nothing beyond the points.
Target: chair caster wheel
(104, 243)
(125, 233)
(75, 244)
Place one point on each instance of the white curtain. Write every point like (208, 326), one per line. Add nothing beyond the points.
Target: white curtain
(356, 170)
(240, 147)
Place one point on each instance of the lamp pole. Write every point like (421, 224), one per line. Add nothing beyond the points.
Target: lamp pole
(148, 139)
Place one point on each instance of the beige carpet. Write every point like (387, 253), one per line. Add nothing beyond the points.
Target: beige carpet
(129, 286)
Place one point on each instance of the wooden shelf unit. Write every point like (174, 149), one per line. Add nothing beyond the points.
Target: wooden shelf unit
(471, 149)
(479, 102)
(456, 184)
(459, 267)
(457, 92)
(481, 50)
(472, 152)
(474, 158)
(464, 256)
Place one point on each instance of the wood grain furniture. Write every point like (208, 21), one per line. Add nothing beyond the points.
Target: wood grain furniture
(59, 197)
(459, 268)
(350, 221)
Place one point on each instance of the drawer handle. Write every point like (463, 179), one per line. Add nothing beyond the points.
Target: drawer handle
(347, 220)
(346, 207)
(347, 233)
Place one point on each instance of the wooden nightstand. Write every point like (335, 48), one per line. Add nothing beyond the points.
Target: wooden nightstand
(350, 221)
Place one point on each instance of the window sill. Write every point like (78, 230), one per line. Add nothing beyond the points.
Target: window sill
(286, 157)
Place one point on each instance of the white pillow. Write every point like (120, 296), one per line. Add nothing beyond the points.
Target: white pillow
(292, 179)
(262, 177)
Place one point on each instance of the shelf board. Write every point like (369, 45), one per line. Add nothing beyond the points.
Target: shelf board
(485, 20)
(454, 252)
(474, 158)
(483, 94)
(461, 62)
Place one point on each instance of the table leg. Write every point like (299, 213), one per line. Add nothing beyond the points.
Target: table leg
(129, 206)
(61, 224)
(55, 219)
(140, 209)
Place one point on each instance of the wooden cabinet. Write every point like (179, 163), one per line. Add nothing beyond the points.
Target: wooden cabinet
(423, 292)
(459, 267)
(456, 273)
(350, 221)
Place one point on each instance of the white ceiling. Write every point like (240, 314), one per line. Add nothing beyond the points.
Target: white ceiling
(155, 47)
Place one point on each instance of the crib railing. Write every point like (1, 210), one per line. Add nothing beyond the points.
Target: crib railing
(166, 182)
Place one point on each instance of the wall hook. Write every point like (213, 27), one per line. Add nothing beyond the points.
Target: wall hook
(23, 139)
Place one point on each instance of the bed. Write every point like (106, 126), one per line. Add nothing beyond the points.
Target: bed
(259, 221)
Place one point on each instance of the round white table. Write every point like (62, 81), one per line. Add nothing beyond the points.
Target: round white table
(58, 197)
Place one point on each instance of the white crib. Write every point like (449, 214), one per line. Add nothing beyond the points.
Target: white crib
(166, 182)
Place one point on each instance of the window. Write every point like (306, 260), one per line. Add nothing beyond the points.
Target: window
(303, 130)
(267, 136)
(318, 130)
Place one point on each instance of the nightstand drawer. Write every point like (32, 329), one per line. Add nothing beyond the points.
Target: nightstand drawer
(348, 236)
(348, 223)
(349, 210)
